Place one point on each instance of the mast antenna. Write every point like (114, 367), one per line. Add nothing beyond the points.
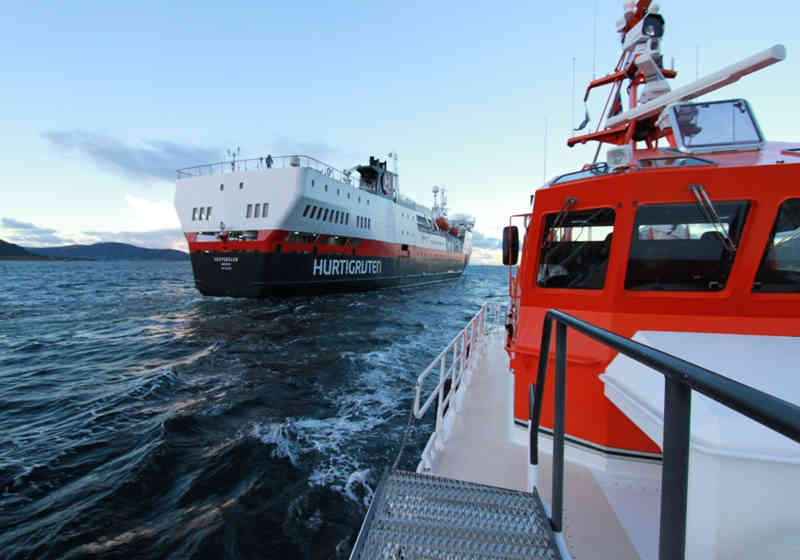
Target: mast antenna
(544, 158)
(572, 122)
(594, 42)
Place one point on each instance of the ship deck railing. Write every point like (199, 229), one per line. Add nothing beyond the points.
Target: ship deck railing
(270, 162)
(680, 379)
(452, 364)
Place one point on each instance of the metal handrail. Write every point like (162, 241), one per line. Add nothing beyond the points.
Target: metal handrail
(268, 162)
(680, 378)
(452, 363)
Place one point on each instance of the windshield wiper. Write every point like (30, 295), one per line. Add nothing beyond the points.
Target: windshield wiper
(711, 215)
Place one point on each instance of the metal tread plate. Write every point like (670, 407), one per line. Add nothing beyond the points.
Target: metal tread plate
(423, 516)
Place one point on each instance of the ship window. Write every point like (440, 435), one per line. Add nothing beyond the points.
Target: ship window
(300, 237)
(326, 188)
(325, 216)
(337, 192)
(348, 196)
(336, 240)
(347, 219)
(576, 249)
(336, 218)
(249, 210)
(208, 213)
(221, 187)
(264, 209)
(305, 212)
(780, 267)
(257, 211)
(241, 186)
(194, 213)
(312, 182)
(202, 213)
(674, 247)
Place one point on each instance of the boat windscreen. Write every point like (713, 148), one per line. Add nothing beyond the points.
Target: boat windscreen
(676, 247)
(717, 126)
(780, 266)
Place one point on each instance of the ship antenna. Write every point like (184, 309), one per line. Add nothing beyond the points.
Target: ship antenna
(594, 42)
(544, 157)
(572, 121)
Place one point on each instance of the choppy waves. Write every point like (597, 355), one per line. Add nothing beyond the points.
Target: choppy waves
(137, 418)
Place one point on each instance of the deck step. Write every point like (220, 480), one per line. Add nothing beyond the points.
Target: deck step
(423, 516)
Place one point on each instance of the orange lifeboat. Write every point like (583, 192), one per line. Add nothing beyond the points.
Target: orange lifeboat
(441, 221)
(454, 231)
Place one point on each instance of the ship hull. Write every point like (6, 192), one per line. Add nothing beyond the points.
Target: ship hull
(254, 274)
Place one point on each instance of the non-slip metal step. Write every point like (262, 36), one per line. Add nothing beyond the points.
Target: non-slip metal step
(422, 516)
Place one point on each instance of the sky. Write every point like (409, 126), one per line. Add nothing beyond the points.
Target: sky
(100, 102)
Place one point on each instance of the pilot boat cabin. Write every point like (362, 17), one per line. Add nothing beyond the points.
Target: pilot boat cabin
(701, 236)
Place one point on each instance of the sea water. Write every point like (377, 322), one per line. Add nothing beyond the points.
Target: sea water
(140, 419)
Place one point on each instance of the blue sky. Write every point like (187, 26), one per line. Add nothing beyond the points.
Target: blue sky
(101, 101)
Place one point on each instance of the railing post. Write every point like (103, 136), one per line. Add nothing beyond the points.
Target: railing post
(533, 434)
(675, 469)
(558, 426)
(439, 423)
(541, 376)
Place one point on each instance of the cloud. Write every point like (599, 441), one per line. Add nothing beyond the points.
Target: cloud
(28, 234)
(155, 159)
(482, 242)
(151, 215)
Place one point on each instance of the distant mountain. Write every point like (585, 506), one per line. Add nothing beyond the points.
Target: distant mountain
(9, 250)
(109, 252)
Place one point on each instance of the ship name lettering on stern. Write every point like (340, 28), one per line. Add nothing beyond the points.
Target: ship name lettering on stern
(341, 267)
(226, 262)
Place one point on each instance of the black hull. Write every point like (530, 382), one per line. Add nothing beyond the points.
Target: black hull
(251, 274)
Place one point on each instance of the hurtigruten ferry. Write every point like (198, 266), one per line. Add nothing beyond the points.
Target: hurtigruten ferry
(291, 225)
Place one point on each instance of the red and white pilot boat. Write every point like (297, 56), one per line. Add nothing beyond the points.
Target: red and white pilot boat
(292, 225)
(667, 409)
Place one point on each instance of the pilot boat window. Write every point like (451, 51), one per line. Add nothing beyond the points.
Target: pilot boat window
(257, 211)
(676, 247)
(575, 249)
(780, 267)
(716, 126)
(249, 210)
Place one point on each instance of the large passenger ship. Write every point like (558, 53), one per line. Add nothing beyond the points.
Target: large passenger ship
(291, 225)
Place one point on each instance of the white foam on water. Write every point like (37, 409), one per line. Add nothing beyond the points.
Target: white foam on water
(372, 403)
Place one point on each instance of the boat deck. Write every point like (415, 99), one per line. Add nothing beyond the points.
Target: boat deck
(593, 527)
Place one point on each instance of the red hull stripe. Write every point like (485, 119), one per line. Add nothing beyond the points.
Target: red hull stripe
(269, 241)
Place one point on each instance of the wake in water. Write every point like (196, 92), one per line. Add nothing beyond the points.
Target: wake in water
(140, 419)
